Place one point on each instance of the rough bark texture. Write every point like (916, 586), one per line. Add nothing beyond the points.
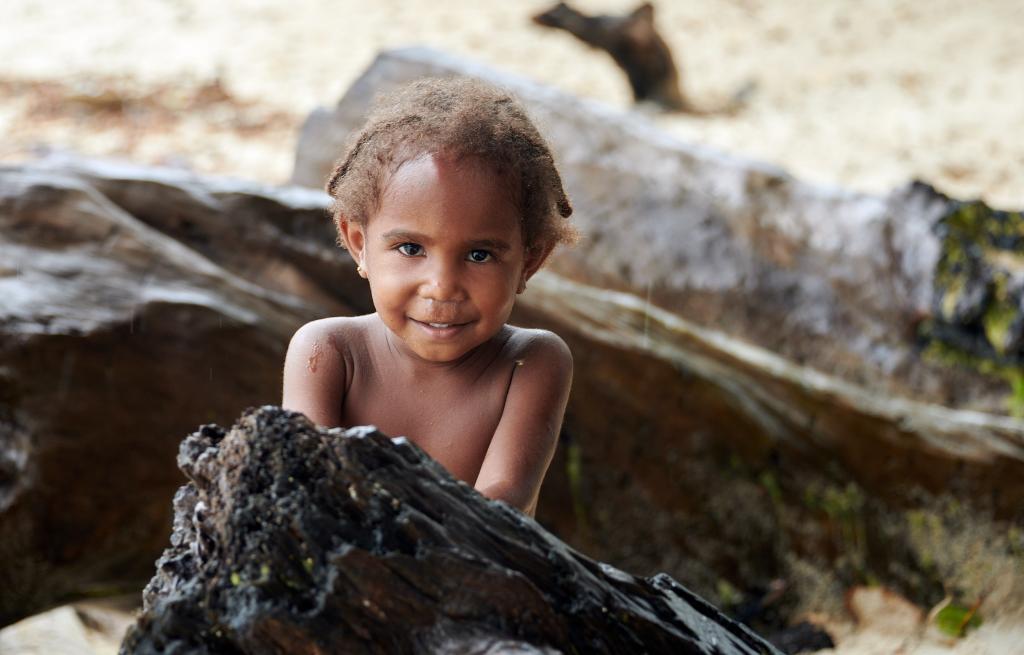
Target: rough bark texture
(290, 539)
(633, 42)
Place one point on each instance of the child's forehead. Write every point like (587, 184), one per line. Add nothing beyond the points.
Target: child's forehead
(431, 196)
(455, 173)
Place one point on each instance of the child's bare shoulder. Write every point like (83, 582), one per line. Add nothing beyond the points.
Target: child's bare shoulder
(336, 331)
(328, 342)
(319, 364)
(534, 345)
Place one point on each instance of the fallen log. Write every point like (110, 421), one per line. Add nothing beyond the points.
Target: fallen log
(293, 539)
(102, 318)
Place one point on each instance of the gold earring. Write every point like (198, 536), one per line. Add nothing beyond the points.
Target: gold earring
(360, 271)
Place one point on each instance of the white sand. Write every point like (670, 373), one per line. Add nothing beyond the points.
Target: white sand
(866, 94)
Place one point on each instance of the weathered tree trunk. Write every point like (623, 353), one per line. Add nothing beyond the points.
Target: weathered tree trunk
(102, 320)
(299, 540)
(635, 45)
(685, 450)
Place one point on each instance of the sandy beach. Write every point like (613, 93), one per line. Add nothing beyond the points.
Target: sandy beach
(864, 95)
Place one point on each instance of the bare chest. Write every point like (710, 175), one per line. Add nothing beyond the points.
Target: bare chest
(451, 418)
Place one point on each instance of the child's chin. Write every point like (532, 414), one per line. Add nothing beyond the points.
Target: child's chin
(439, 355)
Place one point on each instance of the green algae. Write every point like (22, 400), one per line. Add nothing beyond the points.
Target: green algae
(999, 315)
(980, 249)
(978, 296)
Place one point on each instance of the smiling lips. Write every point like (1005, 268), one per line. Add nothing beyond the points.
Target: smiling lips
(440, 330)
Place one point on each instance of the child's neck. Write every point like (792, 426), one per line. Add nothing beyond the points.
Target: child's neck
(417, 367)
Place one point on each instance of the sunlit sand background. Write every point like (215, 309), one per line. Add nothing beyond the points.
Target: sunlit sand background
(865, 94)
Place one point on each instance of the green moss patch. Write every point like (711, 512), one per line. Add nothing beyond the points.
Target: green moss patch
(978, 295)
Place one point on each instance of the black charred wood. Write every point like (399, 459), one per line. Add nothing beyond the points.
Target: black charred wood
(291, 539)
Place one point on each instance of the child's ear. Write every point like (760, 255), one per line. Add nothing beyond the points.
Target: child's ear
(535, 258)
(353, 239)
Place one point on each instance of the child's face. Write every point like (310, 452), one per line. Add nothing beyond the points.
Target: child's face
(444, 255)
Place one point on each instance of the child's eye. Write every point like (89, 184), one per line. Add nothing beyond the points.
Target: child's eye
(410, 249)
(479, 256)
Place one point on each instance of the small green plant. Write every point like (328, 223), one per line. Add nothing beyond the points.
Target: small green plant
(728, 595)
(957, 620)
(1016, 400)
(574, 471)
(771, 485)
(844, 507)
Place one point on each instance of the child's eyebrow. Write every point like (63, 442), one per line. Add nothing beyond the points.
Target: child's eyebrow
(489, 244)
(497, 245)
(403, 235)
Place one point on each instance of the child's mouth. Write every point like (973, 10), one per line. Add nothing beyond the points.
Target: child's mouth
(440, 330)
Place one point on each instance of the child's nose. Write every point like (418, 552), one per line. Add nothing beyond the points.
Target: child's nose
(443, 283)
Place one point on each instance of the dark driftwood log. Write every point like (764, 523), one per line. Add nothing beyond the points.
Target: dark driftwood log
(299, 540)
(635, 45)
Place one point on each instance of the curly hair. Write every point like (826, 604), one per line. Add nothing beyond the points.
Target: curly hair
(458, 117)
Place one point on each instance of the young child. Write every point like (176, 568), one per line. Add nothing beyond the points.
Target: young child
(449, 201)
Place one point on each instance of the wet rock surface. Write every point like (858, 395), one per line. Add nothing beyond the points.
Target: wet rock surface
(293, 539)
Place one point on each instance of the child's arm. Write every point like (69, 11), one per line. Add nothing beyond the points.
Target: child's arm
(524, 443)
(314, 373)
